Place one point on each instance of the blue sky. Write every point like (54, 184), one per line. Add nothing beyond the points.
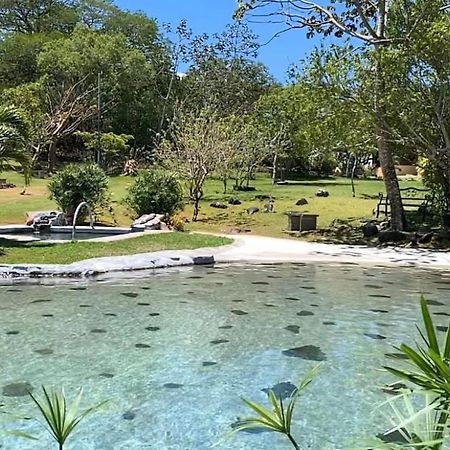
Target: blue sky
(211, 16)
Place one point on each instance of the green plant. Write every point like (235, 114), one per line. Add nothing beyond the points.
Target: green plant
(79, 183)
(155, 191)
(430, 372)
(60, 417)
(279, 417)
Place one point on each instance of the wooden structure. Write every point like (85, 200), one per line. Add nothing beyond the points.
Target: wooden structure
(412, 198)
(300, 221)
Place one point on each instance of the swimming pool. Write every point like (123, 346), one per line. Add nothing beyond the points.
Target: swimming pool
(173, 352)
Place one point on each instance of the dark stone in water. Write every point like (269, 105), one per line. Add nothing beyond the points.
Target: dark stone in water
(393, 437)
(47, 315)
(194, 277)
(314, 305)
(293, 299)
(274, 276)
(12, 333)
(17, 389)
(173, 385)
(394, 388)
(310, 288)
(308, 352)
(305, 313)
(154, 314)
(441, 328)
(106, 375)
(329, 322)
(373, 286)
(379, 296)
(375, 336)
(142, 346)
(129, 294)
(13, 290)
(208, 363)
(226, 327)
(144, 304)
(153, 328)
(261, 292)
(78, 288)
(110, 315)
(219, 341)
(281, 390)
(381, 324)
(293, 329)
(145, 288)
(44, 351)
(98, 331)
(85, 306)
(238, 301)
(382, 311)
(260, 283)
(269, 305)
(238, 312)
(41, 301)
(128, 415)
(442, 314)
(396, 355)
(434, 303)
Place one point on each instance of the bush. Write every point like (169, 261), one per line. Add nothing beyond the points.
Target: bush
(79, 183)
(155, 191)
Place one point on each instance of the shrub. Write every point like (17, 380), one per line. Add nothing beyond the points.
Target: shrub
(155, 191)
(79, 183)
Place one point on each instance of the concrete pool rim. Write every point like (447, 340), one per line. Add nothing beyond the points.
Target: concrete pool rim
(252, 250)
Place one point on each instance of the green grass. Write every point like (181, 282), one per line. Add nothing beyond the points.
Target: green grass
(12, 252)
(339, 205)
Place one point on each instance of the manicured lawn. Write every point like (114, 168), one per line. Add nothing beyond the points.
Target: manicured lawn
(339, 205)
(47, 253)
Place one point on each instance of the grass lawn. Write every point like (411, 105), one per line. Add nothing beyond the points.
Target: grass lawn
(339, 205)
(46, 253)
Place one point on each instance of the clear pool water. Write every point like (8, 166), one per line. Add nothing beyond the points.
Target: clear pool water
(174, 352)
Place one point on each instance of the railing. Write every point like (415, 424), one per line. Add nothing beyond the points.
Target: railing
(75, 217)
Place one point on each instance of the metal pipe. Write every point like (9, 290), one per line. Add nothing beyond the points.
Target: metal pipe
(75, 216)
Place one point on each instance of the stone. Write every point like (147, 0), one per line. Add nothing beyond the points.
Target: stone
(44, 351)
(370, 229)
(129, 415)
(375, 336)
(208, 363)
(219, 341)
(293, 329)
(203, 260)
(302, 202)
(142, 346)
(143, 219)
(308, 352)
(173, 385)
(252, 210)
(268, 208)
(153, 328)
(264, 197)
(129, 294)
(17, 389)
(282, 390)
(106, 375)
(238, 312)
(218, 205)
(426, 238)
(234, 201)
(154, 224)
(322, 193)
(305, 313)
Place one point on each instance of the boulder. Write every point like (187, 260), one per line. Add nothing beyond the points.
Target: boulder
(154, 224)
(302, 202)
(264, 197)
(426, 238)
(252, 210)
(370, 229)
(218, 205)
(322, 193)
(234, 201)
(143, 219)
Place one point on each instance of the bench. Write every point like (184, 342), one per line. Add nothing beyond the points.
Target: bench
(415, 199)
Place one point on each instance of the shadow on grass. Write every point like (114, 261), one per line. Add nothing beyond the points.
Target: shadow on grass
(12, 243)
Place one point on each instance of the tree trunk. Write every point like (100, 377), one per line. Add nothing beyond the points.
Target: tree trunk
(385, 155)
(52, 156)
(275, 168)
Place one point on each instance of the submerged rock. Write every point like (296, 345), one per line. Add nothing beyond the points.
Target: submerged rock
(293, 329)
(281, 390)
(238, 312)
(308, 352)
(375, 336)
(17, 389)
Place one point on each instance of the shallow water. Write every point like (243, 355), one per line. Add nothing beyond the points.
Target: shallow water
(173, 353)
(80, 236)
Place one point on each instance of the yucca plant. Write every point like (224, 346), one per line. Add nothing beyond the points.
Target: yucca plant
(278, 417)
(430, 369)
(60, 417)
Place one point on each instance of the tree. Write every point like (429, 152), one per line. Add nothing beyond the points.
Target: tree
(13, 140)
(376, 24)
(192, 151)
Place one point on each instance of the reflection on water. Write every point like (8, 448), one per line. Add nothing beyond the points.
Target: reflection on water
(174, 353)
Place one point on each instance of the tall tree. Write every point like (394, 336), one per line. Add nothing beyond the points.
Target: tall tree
(377, 24)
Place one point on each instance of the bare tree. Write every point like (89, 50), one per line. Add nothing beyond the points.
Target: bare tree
(370, 22)
(192, 151)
